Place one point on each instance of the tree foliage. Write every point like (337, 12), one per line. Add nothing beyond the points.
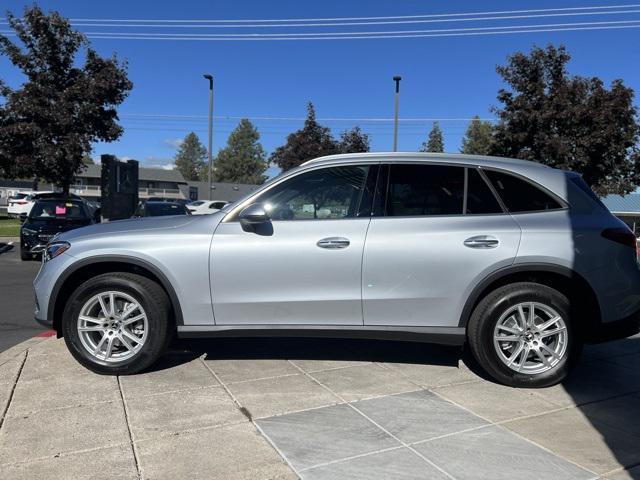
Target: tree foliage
(311, 141)
(435, 141)
(353, 141)
(48, 124)
(243, 160)
(190, 158)
(478, 139)
(568, 122)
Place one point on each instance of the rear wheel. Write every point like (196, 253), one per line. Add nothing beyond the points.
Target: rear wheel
(24, 255)
(117, 323)
(521, 334)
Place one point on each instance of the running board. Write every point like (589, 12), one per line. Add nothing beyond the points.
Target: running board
(441, 335)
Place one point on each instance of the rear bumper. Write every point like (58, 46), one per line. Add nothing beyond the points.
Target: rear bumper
(623, 328)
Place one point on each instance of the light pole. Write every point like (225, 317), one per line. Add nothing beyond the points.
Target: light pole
(396, 79)
(210, 78)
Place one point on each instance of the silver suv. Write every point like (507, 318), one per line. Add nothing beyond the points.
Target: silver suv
(519, 261)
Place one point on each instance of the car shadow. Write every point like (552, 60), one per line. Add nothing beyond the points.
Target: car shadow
(6, 247)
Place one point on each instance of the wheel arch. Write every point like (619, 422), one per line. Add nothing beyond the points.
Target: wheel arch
(73, 276)
(579, 292)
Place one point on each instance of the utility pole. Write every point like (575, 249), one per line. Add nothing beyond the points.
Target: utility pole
(396, 79)
(210, 78)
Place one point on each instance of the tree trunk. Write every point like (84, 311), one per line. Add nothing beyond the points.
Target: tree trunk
(65, 188)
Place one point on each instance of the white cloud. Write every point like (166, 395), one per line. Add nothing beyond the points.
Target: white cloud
(173, 142)
(159, 162)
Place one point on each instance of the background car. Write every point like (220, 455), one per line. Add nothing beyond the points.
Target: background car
(160, 209)
(49, 217)
(21, 203)
(204, 207)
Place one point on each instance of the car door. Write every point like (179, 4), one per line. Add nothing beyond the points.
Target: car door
(440, 229)
(303, 266)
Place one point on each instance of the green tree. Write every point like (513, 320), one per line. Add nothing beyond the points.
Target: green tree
(311, 141)
(478, 139)
(353, 141)
(87, 160)
(48, 124)
(569, 122)
(435, 142)
(190, 158)
(243, 160)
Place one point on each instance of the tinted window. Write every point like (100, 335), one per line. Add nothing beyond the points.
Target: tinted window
(425, 190)
(480, 198)
(327, 193)
(217, 205)
(58, 209)
(161, 209)
(519, 195)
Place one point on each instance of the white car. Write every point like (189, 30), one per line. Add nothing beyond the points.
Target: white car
(204, 207)
(22, 202)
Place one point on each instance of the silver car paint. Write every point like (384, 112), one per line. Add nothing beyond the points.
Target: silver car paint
(411, 275)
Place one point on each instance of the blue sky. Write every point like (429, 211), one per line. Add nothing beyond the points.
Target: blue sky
(444, 77)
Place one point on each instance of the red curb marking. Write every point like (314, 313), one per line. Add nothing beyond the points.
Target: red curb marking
(47, 333)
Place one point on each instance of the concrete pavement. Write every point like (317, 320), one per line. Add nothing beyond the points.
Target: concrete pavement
(315, 409)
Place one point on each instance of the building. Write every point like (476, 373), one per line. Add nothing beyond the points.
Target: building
(152, 182)
(626, 208)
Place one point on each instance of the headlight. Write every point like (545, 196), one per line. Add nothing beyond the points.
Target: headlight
(54, 249)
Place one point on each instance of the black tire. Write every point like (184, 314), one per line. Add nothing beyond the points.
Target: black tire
(483, 321)
(148, 294)
(25, 256)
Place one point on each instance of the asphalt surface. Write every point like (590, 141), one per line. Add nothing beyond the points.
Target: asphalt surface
(16, 298)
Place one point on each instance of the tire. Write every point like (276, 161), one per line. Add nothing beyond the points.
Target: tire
(507, 306)
(118, 354)
(25, 256)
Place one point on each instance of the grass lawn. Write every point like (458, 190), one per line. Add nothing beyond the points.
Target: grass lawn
(9, 227)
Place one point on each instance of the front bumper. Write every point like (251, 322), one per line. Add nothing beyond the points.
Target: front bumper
(623, 328)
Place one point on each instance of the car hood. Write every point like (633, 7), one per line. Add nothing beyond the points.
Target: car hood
(55, 226)
(136, 225)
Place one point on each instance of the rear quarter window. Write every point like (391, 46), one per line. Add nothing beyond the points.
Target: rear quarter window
(519, 195)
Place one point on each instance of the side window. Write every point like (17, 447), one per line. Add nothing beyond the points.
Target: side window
(519, 195)
(328, 193)
(424, 190)
(480, 198)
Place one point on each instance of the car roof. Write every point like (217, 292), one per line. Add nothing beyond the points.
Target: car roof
(479, 160)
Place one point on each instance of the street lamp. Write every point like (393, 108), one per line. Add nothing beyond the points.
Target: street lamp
(210, 78)
(396, 79)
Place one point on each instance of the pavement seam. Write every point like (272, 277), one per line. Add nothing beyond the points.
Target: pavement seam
(64, 454)
(134, 449)
(12, 356)
(352, 457)
(247, 414)
(13, 389)
(448, 475)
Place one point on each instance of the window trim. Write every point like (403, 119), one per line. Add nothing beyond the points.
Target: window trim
(563, 204)
(232, 216)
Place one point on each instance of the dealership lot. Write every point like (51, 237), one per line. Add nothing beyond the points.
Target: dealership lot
(309, 408)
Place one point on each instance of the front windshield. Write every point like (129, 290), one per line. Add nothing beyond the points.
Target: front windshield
(59, 209)
(161, 209)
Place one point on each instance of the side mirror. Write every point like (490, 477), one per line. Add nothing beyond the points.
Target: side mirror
(253, 215)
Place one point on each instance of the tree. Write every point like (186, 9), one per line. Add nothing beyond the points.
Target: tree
(190, 158)
(353, 141)
(478, 139)
(311, 141)
(50, 122)
(87, 160)
(243, 159)
(435, 142)
(569, 122)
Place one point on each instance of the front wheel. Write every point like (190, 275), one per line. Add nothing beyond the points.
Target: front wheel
(521, 334)
(117, 323)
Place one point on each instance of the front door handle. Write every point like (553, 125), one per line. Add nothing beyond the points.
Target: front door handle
(333, 243)
(482, 241)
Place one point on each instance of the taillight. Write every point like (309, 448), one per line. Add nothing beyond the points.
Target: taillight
(20, 202)
(621, 235)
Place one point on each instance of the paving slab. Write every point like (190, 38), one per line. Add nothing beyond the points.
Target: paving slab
(496, 402)
(397, 464)
(416, 416)
(631, 362)
(494, 453)
(322, 435)
(585, 441)
(612, 349)
(172, 373)
(354, 383)
(275, 396)
(230, 453)
(434, 375)
(43, 434)
(240, 370)
(48, 359)
(312, 365)
(9, 369)
(622, 413)
(111, 463)
(631, 474)
(167, 413)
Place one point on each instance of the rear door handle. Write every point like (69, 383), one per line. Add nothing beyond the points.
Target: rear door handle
(333, 243)
(482, 241)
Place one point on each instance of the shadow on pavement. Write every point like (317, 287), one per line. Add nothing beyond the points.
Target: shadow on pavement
(6, 247)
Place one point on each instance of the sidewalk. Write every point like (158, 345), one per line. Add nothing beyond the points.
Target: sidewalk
(316, 409)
